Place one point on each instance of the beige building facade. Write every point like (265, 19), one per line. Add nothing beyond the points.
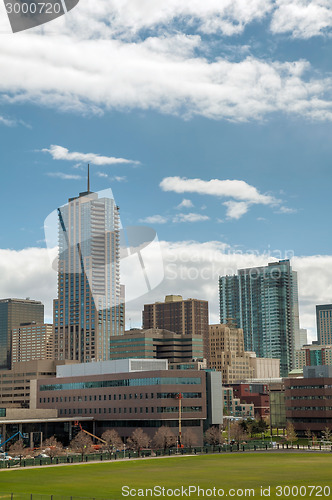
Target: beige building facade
(31, 342)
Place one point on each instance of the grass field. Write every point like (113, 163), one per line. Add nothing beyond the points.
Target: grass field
(237, 471)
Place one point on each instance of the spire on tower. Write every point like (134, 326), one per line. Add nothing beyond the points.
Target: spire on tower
(88, 178)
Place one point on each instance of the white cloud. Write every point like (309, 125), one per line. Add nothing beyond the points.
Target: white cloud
(302, 18)
(191, 217)
(61, 153)
(7, 122)
(240, 190)
(63, 176)
(235, 209)
(28, 273)
(185, 204)
(102, 175)
(155, 73)
(286, 210)
(154, 219)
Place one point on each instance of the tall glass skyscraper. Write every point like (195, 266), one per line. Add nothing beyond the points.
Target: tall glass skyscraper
(264, 303)
(89, 309)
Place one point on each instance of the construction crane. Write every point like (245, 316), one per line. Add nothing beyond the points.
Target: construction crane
(77, 424)
(19, 433)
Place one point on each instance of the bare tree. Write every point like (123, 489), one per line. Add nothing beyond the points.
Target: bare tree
(213, 436)
(82, 443)
(290, 433)
(164, 438)
(308, 434)
(237, 433)
(112, 441)
(138, 440)
(18, 449)
(189, 438)
(327, 434)
(53, 446)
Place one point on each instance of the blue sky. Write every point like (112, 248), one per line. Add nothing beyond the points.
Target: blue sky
(195, 97)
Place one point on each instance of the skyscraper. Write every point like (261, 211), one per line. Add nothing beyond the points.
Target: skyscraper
(13, 312)
(324, 324)
(88, 310)
(186, 317)
(264, 303)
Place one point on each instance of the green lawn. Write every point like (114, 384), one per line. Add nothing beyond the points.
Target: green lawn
(105, 480)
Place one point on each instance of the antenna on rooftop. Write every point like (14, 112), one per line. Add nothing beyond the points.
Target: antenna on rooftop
(88, 178)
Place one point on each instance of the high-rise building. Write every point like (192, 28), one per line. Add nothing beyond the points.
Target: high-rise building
(88, 311)
(227, 355)
(264, 303)
(13, 312)
(31, 342)
(187, 317)
(324, 324)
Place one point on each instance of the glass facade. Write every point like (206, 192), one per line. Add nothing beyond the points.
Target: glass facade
(134, 382)
(264, 303)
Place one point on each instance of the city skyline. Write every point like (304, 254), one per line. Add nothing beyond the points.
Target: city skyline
(212, 126)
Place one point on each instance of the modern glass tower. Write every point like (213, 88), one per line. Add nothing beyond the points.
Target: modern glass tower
(264, 303)
(89, 309)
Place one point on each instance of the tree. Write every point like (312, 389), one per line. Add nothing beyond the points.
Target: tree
(308, 434)
(164, 438)
(237, 433)
(53, 446)
(18, 449)
(290, 433)
(189, 438)
(138, 440)
(113, 441)
(82, 443)
(327, 434)
(213, 436)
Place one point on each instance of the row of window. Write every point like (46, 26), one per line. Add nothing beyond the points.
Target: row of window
(119, 397)
(135, 410)
(122, 383)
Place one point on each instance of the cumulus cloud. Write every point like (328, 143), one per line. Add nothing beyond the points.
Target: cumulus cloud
(244, 194)
(154, 219)
(28, 273)
(239, 190)
(185, 204)
(302, 18)
(155, 73)
(61, 153)
(235, 209)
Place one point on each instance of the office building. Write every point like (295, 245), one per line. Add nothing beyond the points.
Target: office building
(132, 393)
(264, 303)
(313, 355)
(14, 312)
(309, 400)
(32, 341)
(254, 394)
(157, 343)
(324, 324)
(15, 389)
(185, 317)
(88, 311)
(227, 355)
